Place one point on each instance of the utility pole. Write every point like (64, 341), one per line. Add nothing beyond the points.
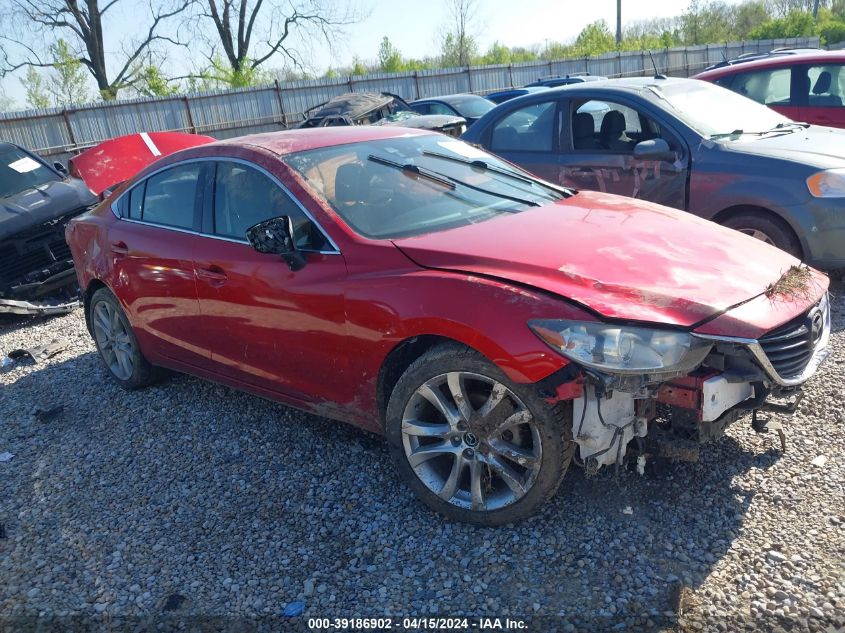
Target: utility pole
(816, 9)
(619, 20)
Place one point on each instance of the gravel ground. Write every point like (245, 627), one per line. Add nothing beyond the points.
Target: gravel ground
(191, 500)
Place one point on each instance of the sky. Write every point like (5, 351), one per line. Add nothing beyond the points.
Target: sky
(413, 27)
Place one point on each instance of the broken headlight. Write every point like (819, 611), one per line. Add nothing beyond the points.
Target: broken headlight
(622, 349)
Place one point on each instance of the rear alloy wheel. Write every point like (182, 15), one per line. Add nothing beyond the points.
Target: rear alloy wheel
(116, 342)
(766, 228)
(473, 445)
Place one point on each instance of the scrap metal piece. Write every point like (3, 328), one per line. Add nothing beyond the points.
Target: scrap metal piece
(40, 353)
(764, 424)
(10, 306)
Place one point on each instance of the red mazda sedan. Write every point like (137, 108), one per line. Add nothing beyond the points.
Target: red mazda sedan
(487, 322)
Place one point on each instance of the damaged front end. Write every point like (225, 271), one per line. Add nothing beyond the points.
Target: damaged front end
(36, 203)
(36, 270)
(673, 390)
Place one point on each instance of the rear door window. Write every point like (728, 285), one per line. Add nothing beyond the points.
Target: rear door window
(770, 87)
(826, 85)
(531, 128)
(170, 197)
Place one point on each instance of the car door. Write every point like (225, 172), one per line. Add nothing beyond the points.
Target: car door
(597, 152)
(823, 101)
(152, 255)
(273, 328)
(527, 136)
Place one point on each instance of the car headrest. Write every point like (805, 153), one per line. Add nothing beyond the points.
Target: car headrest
(349, 183)
(822, 83)
(583, 125)
(613, 123)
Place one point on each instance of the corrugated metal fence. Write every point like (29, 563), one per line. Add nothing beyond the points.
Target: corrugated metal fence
(58, 133)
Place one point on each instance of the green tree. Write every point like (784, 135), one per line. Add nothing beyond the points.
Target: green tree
(68, 82)
(458, 46)
(152, 83)
(594, 39)
(795, 24)
(358, 67)
(36, 90)
(389, 57)
(6, 102)
(498, 53)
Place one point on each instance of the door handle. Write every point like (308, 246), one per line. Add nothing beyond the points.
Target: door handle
(119, 248)
(215, 275)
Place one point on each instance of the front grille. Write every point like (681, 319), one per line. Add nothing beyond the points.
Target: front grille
(26, 255)
(790, 347)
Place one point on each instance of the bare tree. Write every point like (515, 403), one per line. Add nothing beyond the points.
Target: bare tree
(40, 23)
(252, 32)
(458, 44)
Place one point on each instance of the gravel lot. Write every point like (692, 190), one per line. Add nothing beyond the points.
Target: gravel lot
(192, 500)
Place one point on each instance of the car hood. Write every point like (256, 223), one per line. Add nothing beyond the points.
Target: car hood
(818, 146)
(36, 206)
(405, 118)
(620, 257)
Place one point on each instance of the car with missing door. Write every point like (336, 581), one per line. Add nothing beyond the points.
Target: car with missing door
(687, 144)
(489, 323)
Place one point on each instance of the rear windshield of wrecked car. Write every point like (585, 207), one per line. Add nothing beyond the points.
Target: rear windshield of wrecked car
(19, 172)
(409, 186)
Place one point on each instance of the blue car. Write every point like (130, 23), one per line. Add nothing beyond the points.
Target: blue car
(687, 144)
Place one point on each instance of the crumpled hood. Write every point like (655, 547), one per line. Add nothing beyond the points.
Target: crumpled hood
(620, 257)
(35, 206)
(817, 146)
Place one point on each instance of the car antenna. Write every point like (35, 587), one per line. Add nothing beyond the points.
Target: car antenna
(657, 74)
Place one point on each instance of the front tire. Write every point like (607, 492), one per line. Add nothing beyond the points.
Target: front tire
(117, 344)
(766, 228)
(473, 445)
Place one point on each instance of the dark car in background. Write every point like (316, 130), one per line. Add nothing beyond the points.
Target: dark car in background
(500, 96)
(36, 202)
(378, 108)
(686, 144)
(555, 81)
(470, 107)
(802, 84)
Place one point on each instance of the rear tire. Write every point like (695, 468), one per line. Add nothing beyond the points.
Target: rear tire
(492, 455)
(768, 228)
(116, 343)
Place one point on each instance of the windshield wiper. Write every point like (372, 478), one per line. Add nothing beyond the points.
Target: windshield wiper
(414, 169)
(480, 164)
(785, 127)
(449, 181)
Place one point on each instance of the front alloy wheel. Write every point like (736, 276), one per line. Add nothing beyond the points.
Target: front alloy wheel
(474, 446)
(471, 441)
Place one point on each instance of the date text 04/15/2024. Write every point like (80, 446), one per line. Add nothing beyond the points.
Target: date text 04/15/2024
(417, 624)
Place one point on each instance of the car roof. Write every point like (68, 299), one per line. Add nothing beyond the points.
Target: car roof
(626, 84)
(300, 140)
(461, 96)
(773, 59)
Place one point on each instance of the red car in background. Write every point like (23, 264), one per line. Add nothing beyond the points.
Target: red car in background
(803, 84)
(487, 322)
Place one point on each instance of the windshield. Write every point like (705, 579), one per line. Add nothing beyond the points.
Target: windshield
(19, 172)
(471, 106)
(408, 186)
(712, 111)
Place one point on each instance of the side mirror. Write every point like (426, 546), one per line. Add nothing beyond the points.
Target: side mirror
(654, 149)
(60, 168)
(274, 236)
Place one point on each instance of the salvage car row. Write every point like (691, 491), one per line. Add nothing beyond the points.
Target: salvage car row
(493, 324)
